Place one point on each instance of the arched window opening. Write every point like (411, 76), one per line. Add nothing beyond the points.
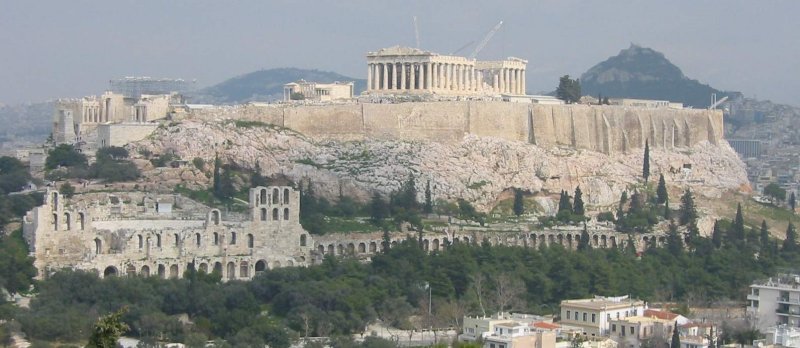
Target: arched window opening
(55, 200)
(362, 248)
(286, 213)
(55, 222)
(231, 270)
(244, 270)
(162, 272)
(130, 271)
(250, 241)
(141, 241)
(197, 239)
(285, 196)
(158, 240)
(233, 238)
(176, 239)
(275, 194)
(67, 221)
(302, 240)
(82, 221)
(204, 267)
(263, 195)
(110, 271)
(173, 271)
(216, 238)
(263, 214)
(98, 246)
(261, 266)
(215, 217)
(275, 214)
(145, 271)
(321, 249)
(218, 268)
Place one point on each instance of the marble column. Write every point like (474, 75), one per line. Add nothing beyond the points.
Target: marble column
(524, 87)
(413, 82)
(369, 77)
(394, 76)
(513, 87)
(403, 76)
(385, 76)
(448, 74)
(428, 76)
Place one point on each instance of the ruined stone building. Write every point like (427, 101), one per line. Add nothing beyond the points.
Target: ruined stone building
(316, 91)
(140, 234)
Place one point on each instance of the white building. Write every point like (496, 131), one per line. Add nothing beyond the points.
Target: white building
(783, 336)
(593, 315)
(775, 301)
(315, 91)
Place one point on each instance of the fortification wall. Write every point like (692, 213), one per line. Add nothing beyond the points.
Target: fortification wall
(607, 129)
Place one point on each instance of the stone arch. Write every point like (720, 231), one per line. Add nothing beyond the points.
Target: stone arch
(362, 248)
(197, 239)
(425, 245)
(145, 272)
(263, 214)
(662, 240)
(82, 221)
(550, 240)
(303, 241)
(373, 247)
(177, 239)
(290, 263)
(569, 241)
(286, 213)
(263, 196)
(275, 194)
(173, 271)
(351, 249)
(218, 268)
(158, 240)
(261, 266)
(98, 246)
(250, 240)
(595, 240)
(542, 240)
(286, 196)
(613, 240)
(55, 221)
(534, 240)
(233, 238)
(215, 218)
(560, 239)
(130, 271)
(340, 249)
(466, 240)
(321, 249)
(603, 241)
(216, 238)
(394, 243)
(141, 241)
(275, 214)
(203, 267)
(55, 200)
(67, 221)
(330, 249)
(110, 271)
(162, 272)
(244, 270)
(436, 244)
(231, 273)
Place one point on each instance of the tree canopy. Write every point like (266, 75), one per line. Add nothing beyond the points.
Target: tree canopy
(569, 90)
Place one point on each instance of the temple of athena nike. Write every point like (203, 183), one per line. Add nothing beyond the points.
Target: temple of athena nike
(405, 70)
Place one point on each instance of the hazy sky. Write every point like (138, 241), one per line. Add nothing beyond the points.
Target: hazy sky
(60, 48)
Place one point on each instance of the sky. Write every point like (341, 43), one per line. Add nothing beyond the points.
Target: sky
(52, 49)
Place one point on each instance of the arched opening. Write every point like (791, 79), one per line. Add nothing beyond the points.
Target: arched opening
(435, 245)
(141, 241)
(362, 248)
(67, 221)
(244, 270)
(215, 217)
(394, 243)
(286, 213)
(302, 240)
(560, 239)
(233, 238)
(351, 249)
(275, 195)
(130, 270)
(595, 240)
(551, 240)
(173, 271)
(290, 263)
(177, 239)
(218, 268)
(425, 245)
(110, 271)
(330, 249)
(613, 242)
(275, 214)
(286, 196)
(216, 238)
(98, 246)
(261, 266)
(82, 221)
(158, 240)
(569, 241)
(250, 241)
(55, 222)
(320, 249)
(197, 239)
(203, 267)
(466, 240)
(263, 198)
(231, 270)
(145, 271)
(603, 241)
(373, 247)
(263, 214)
(340, 249)
(162, 272)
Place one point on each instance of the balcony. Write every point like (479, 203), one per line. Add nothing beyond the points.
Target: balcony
(752, 297)
(784, 300)
(788, 311)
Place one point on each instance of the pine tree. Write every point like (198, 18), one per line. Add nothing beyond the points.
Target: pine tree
(378, 208)
(790, 243)
(764, 240)
(736, 235)
(564, 202)
(428, 199)
(257, 179)
(646, 164)
(623, 199)
(583, 243)
(676, 338)
(674, 240)
(578, 205)
(688, 210)
(667, 211)
(661, 191)
(519, 207)
(630, 246)
(217, 176)
(792, 201)
(716, 235)
(108, 330)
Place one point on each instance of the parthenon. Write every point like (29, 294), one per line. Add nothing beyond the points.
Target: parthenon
(405, 70)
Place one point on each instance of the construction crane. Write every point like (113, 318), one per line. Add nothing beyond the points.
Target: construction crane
(485, 40)
(715, 102)
(462, 48)
(416, 31)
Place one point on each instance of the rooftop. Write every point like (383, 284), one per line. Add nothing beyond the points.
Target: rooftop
(602, 302)
(784, 281)
(660, 314)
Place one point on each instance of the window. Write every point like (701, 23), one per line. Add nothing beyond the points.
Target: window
(568, 313)
(249, 240)
(491, 345)
(623, 330)
(141, 242)
(197, 239)
(613, 327)
(176, 239)
(233, 238)
(593, 317)
(631, 330)
(216, 238)
(158, 240)
(755, 292)
(584, 316)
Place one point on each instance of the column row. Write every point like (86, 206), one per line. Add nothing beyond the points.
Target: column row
(430, 76)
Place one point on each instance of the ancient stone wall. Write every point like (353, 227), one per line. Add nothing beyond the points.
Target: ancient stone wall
(607, 129)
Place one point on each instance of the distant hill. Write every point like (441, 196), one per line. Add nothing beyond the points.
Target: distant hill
(643, 73)
(28, 122)
(265, 85)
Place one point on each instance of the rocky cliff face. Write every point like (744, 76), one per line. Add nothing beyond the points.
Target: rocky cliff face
(478, 169)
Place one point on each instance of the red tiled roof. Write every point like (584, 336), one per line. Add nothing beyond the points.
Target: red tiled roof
(660, 314)
(544, 325)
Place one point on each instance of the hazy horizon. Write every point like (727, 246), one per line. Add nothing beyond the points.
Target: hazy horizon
(69, 49)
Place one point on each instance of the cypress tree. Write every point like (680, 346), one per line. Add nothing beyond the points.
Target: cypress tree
(716, 235)
(674, 240)
(790, 243)
(217, 177)
(667, 211)
(578, 205)
(646, 164)
(792, 202)
(688, 210)
(583, 243)
(428, 199)
(564, 202)
(519, 207)
(676, 339)
(737, 233)
(661, 191)
(623, 199)
(764, 238)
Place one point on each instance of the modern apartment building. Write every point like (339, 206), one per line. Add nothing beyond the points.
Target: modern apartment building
(775, 301)
(593, 315)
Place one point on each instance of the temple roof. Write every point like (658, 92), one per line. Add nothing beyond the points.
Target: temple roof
(401, 51)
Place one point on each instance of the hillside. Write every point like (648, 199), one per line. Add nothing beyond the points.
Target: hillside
(24, 124)
(265, 85)
(643, 73)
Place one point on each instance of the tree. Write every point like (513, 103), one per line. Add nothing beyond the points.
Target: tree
(509, 291)
(646, 162)
(428, 208)
(519, 207)
(583, 242)
(256, 179)
(674, 240)
(568, 90)
(623, 199)
(297, 96)
(792, 201)
(667, 210)
(736, 234)
(676, 338)
(790, 243)
(112, 152)
(578, 202)
(764, 239)
(716, 235)
(662, 196)
(688, 210)
(64, 155)
(564, 203)
(377, 208)
(67, 190)
(217, 174)
(108, 330)
(775, 191)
